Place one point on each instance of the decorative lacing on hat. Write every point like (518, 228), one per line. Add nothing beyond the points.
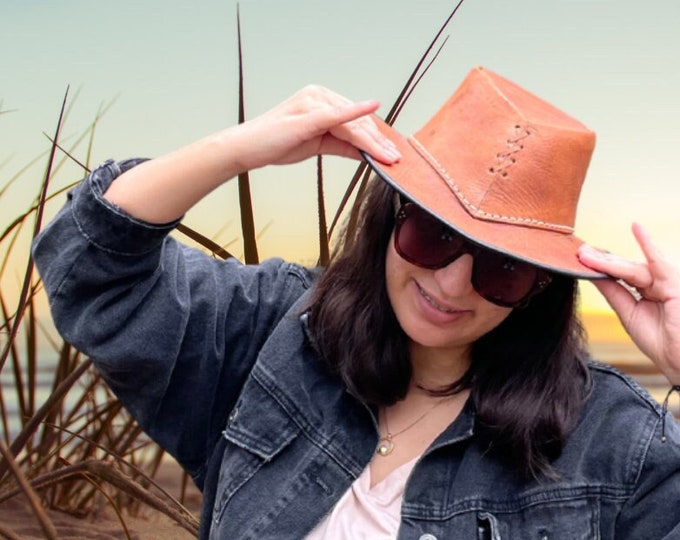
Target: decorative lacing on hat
(472, 208)
(664, 410)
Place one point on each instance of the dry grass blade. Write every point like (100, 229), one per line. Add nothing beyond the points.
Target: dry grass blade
(88, 131)
(245, 200)
(67, 153)
(392, 115)
(7, 533)
(103, 109)
(45, 524)
(398, 105)
(4, 418)
(38, 221)
(4, 163)
(31, 355)
(144, 478)
(364, 172)
(21, 171)
(100, 113)
(50, 437)
(18, 376)
(324, 254)
(105, 472)
(5, 111)
(204, 241)
(33, 423)
(18, 222)
(10, 247)
(417, 81)
(111, 502)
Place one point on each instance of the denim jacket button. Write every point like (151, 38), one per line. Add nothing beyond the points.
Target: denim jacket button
(233, 414)
(427, 536)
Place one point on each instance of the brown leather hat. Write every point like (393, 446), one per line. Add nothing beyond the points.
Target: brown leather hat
(502, 167)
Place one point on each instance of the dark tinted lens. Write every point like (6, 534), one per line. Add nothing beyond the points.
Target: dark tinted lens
(424, 240)
(502, 279)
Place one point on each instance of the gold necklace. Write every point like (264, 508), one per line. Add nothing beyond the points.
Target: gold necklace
(386, 442)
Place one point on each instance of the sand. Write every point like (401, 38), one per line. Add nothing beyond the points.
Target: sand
(16, 516)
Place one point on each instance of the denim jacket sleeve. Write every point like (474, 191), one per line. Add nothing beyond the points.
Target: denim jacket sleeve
(173, 331)
(652, 510)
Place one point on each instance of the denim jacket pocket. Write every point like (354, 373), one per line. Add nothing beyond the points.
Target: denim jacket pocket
(576, 519)
(258, 429)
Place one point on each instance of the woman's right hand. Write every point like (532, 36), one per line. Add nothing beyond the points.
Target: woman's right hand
(313, 121)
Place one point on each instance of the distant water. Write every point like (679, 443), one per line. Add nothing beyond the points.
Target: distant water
(628, 358)
(44, 383)
(617, 352)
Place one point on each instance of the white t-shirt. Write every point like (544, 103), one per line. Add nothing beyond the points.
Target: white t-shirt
(365, 512)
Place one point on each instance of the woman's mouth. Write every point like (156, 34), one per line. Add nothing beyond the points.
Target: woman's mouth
(434, 303)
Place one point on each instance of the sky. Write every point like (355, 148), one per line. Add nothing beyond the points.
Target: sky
(170, 70)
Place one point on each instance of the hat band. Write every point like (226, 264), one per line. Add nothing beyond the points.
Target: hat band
(473, 210)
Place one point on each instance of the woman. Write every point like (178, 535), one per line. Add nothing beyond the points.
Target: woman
(432, 382)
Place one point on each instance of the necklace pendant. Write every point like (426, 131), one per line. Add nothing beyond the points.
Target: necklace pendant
(385, 446)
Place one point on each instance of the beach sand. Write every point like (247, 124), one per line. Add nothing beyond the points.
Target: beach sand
(17, 516)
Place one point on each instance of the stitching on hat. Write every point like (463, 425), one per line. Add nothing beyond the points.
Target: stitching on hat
(507, 159)
(471, 207)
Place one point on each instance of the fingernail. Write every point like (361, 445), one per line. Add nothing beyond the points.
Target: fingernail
(368, 103)
(393, 153)
(594, 252)
(391, 149)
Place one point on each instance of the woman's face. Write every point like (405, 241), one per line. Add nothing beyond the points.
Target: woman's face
(439, 309)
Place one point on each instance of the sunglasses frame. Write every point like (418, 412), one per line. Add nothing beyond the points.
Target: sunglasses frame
(541, 281)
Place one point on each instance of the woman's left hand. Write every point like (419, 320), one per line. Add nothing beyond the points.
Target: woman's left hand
(646, 298)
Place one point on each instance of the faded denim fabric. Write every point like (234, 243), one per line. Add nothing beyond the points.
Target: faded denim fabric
(213, 359)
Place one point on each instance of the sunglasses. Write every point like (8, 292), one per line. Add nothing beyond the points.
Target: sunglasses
(423, 240)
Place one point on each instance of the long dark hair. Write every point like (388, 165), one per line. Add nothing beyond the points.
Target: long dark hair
(528, 379)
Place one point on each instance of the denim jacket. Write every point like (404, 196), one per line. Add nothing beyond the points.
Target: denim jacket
(214, 360)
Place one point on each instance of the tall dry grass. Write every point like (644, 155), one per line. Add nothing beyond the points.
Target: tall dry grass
(73, 447)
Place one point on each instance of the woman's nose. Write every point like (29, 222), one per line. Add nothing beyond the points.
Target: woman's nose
(455, 279)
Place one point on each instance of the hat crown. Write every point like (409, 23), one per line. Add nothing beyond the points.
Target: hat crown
(506, 154)
(502, 167)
